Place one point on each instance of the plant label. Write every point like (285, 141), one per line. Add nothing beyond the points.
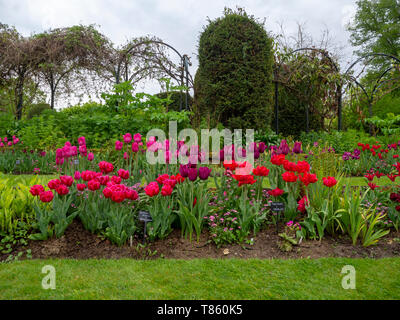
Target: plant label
(277, 206)
(145, 216)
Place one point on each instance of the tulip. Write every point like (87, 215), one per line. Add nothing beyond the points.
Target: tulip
(137, 137)
(131, 194)
(127, 138)
(90, 156)
(62, 190)
(124, 174)
(192, 174)
(77, 175)
(329, 181)
(81, 141)
(166, 190)
(81, 186)
(67, 180)
(183, 170)
(36, 190)
(93, 185)
(118, 145)
(297, 147)
(204, 173)
(276, 192)
(135, 147)
(46, 196)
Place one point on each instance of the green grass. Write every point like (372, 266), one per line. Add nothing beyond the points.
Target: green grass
(202, 279)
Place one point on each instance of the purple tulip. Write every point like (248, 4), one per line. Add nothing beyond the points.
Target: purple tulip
(297, 147)
(221, 155)
(262, 147)
(204, 173)
(183, 170)
(192, 174)
(283, 148)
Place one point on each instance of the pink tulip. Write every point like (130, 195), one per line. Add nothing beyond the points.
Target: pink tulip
(118, 145)
(137, 137)
(127, 138)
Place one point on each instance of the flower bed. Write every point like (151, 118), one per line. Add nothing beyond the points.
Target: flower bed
(108, 196)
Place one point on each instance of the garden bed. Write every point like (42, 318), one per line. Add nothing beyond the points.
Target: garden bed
(78, 243)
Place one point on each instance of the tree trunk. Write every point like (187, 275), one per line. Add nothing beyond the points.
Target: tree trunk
(20, 97)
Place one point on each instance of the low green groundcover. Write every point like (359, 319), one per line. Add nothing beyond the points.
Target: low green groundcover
(202, 279)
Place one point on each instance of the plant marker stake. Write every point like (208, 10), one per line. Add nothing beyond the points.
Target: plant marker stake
(145, 217)
(277, 207)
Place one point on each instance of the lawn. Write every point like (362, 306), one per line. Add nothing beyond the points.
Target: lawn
(202, 279)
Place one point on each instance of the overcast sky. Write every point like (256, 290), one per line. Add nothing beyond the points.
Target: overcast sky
(177, 22)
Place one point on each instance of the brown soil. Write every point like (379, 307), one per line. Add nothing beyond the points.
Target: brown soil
(78, 243)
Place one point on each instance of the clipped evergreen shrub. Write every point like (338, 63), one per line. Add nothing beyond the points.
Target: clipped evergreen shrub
(233, 84)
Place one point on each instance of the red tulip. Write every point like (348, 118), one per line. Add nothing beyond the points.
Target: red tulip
(276, 192)
(36, 190)
(62, 190)
(46, 196)
(289, 177)
(261, 171)
(329, 181)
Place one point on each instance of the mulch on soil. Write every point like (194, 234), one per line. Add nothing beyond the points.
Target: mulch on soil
(78, 243)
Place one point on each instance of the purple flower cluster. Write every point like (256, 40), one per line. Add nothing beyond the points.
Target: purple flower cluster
(351, 155)
(285, 149)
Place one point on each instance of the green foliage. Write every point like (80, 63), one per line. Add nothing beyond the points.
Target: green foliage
(376, 28)
(120, 224)
(175, 98)
(359, 222)
(36, 109)
(100, 124)
(53, 218)
(193, 206)
(16, 203)
(388, 126)
(233, 82)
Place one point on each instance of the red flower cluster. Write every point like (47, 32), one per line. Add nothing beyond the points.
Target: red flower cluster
(124, 174)
(106, 167)
(301, 204)
(289, 176)
(329, 181)
(168, 184)
(278, 159)
(119, 192)
(244, 179)
(261, 171)
(276, 192)
(308, 178)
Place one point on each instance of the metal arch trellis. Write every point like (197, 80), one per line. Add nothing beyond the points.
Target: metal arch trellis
(185, 77)
(378, 82)
(338, 89)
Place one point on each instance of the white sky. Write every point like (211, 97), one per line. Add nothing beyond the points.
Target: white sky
(177, 22)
